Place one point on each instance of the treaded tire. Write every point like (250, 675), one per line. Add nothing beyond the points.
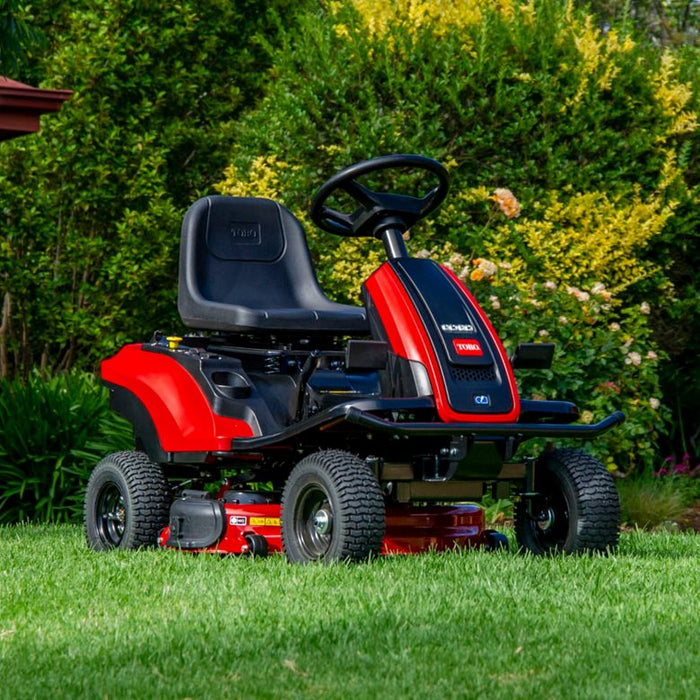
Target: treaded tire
(332, 509)
(578, 510)
(126, 502)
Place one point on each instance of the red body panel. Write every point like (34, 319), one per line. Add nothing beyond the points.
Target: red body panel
(408, 339)
(177, 405)
(409, 529)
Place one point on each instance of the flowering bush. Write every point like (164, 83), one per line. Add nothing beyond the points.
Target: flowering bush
(591, 131)
(673, 467)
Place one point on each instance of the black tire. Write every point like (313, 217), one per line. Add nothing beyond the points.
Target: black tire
(126, 502)
(578, 508)
(332, 510)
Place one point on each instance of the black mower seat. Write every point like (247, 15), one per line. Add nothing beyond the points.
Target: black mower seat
(245, 266)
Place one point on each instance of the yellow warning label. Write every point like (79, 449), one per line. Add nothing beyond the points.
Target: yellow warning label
(270, 522)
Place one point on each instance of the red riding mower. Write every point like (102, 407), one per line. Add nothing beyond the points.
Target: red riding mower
(333, 432)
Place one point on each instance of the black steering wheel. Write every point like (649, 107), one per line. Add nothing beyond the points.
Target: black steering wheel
(378, 211)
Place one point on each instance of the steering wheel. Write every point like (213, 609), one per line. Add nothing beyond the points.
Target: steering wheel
(378, 211)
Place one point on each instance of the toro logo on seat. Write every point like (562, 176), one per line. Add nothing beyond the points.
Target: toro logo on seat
(467, 346)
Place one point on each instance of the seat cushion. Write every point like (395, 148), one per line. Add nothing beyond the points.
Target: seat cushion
(245, 266)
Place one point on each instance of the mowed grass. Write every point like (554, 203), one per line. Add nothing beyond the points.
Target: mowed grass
(159, 624)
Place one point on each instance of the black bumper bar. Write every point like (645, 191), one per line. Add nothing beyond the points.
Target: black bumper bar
(372, 422)
(362, 414)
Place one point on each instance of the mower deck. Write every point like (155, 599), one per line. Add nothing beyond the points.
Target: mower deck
(254, 528)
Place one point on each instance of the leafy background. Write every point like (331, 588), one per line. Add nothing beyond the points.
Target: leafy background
(587, 113)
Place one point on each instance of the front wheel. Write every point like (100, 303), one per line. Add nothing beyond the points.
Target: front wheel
(576, 508)
(332, 509)
(126, 502)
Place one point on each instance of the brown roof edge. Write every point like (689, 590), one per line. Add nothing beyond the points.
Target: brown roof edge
(21, 106)
(16, 95)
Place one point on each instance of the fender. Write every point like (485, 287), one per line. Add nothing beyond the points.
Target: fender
(183, 418)
(428, 316)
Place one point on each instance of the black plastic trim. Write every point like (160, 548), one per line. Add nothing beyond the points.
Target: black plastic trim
(325, 418)
(130, 407)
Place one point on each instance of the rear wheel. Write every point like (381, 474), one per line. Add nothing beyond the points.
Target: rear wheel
(576, 508)
(332, 509)
(126, 502)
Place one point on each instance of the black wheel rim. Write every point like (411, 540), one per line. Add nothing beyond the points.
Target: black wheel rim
(111, 515)
(550, 517)
(313, 522)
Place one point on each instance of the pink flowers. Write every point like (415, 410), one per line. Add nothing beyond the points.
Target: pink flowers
(682, 468)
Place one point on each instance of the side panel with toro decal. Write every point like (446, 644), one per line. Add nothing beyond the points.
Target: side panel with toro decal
(428, 316)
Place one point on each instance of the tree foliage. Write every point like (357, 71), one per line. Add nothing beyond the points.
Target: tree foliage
(90, 207)
(17, 36)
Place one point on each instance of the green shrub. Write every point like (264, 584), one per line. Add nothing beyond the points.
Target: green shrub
(52, 433)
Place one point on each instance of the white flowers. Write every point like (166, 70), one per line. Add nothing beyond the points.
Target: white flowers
(599, 290)
(645, 308)
(578, 294)
(633, 358)
(654, 403)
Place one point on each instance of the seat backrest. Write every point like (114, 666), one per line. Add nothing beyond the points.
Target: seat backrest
(245, 265)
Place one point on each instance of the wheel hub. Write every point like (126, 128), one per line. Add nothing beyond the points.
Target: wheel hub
(323, 521)
(546, 519)
(111, 515)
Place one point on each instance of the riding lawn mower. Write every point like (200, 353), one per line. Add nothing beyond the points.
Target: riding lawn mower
(286, 422)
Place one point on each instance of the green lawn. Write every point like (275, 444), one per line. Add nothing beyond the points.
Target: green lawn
(75, 623)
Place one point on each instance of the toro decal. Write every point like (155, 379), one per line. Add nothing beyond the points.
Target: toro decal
(467, 347)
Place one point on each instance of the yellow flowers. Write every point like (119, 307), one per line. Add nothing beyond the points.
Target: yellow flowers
(341, 31)
(438, 15)
(673, 97)
(588, 238)
(599, 52)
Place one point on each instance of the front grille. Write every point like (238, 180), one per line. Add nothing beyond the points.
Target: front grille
(473, 374)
